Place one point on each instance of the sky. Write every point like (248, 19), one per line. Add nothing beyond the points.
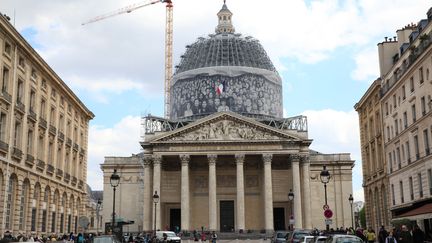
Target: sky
(324, 50)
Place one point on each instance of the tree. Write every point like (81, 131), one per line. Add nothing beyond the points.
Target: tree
(362, 216)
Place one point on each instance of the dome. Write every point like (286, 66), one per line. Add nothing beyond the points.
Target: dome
(225, 72)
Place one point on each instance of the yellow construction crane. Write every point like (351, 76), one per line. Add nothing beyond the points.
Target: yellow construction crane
(168, 39)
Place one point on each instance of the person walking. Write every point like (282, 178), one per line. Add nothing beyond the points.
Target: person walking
(390, 238)
(370, 235)
(418, 234)
(405, 236)
(214, 237)
(382, 234)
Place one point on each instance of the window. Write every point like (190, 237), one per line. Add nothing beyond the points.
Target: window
(408, 152)
(386, 108)
(17, 134)
(3, 121)
(53, 222)
(33, 74)
(30, 142)
(430, 181)
(19, 93)
(5, 80)
(41, 145)
(416, 147)
(427, 73)
(393, 195)
(23, 211)
(42, 108)
(390, 162)
(398, 158)
(21, 62)
(396, 126)
(43, 84)
(411, 188)
(75, 135)
(52, 116)
(405, 119)
(412, 84)
(413, 111)
(388, 133)
(423, 105)
(403, 92)
(10, 204)
(401, 191)
(421, 77)
(44, 220)
(50, 153)
(61, 123)
(420, 184)
(32, 101)
(7, 48)
(426, 141)
(394, 101)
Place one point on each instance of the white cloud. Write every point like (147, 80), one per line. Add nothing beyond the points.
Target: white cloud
(337, 132)
(367, 66)
(120, 140)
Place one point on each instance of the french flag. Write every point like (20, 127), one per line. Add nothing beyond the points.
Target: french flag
(220, 88)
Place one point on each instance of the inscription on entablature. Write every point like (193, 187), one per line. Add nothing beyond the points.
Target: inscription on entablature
(209, 148)
(226, 181)
(252, 181)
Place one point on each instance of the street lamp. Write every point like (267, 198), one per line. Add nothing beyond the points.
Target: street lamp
(98, 206)
(291, 198)
(114, 181)
(351, 201)
(325, 178)
(155, 201)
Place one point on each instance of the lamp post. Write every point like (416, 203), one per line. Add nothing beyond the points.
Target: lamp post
(351, 201)
(114, 181)
(290, 199)
(155, 201)
(98, 206)
(325, 178)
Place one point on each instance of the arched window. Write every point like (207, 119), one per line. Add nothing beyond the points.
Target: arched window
(9, 203)
(35, 206)
(23, 206)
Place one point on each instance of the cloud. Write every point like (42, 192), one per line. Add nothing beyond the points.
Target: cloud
(367, 65)
(122, 139)
(337, 132)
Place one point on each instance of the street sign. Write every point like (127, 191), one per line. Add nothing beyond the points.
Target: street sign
(328, 221)
(328, 213)
(325, 207)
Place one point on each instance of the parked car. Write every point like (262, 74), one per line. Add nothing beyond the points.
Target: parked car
(170, 236)
(280, 236)
(105, 239)
(307, 239)
(320, 239)
(296, 235)
(343, 239)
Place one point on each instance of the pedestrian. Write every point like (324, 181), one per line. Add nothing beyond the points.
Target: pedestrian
(214, 237)
(382, 234)
(6, 238)
(417, 234)
(370, 235)
(405, 236)
(80, 238)
(390, 238)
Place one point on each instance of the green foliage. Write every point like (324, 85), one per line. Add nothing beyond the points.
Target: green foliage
(398, 223)
(362, 216)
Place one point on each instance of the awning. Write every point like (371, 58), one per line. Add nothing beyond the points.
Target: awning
(425, 209)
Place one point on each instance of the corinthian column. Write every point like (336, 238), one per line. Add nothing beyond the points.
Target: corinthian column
(295, 160)
(268, 193)
(212, 192)
(306, 192)
(157, 160)
(185, 220)
(240, 192)
(147, 202)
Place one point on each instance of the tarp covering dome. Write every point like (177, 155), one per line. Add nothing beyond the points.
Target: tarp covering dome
(225, 72)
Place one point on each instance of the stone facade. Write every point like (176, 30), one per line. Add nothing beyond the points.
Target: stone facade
(43, 143)
(198, 171)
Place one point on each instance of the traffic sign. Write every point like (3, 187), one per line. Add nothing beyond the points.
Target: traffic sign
(325, 207)
(328, 213)
(328, 221)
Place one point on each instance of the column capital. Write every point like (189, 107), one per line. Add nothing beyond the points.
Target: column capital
(239, 158)
(185, 158)
(147, 160)
(267, 158)
(295, 157)
(304, 159)
(157, 159)
(212, 159)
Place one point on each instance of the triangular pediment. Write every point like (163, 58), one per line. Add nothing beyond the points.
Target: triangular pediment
(225, 126)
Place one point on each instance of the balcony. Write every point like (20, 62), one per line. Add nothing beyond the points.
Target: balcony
(40, 165)
(66, 177)
(19, 106)
(5, 96)
(32, 115)
(60, 136)
(59, 173)
(29, 160)
(75, 147)
(4, 147)
(52, 130)
(74, 180)
(42, 123)
(69, 142)
(17, 153)
(50, 169)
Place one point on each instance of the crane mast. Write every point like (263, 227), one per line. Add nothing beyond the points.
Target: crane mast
(168, 55)
(168, 40)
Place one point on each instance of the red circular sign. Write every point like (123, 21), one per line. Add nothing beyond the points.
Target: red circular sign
(328, 213)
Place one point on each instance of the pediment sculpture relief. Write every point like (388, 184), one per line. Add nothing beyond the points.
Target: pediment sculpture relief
(225, 130)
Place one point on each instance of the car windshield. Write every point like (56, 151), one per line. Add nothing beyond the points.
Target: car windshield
(281, 235)
(300, 235)
(102, 240)
(321, 240)
(348, 240)
(170, 234)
